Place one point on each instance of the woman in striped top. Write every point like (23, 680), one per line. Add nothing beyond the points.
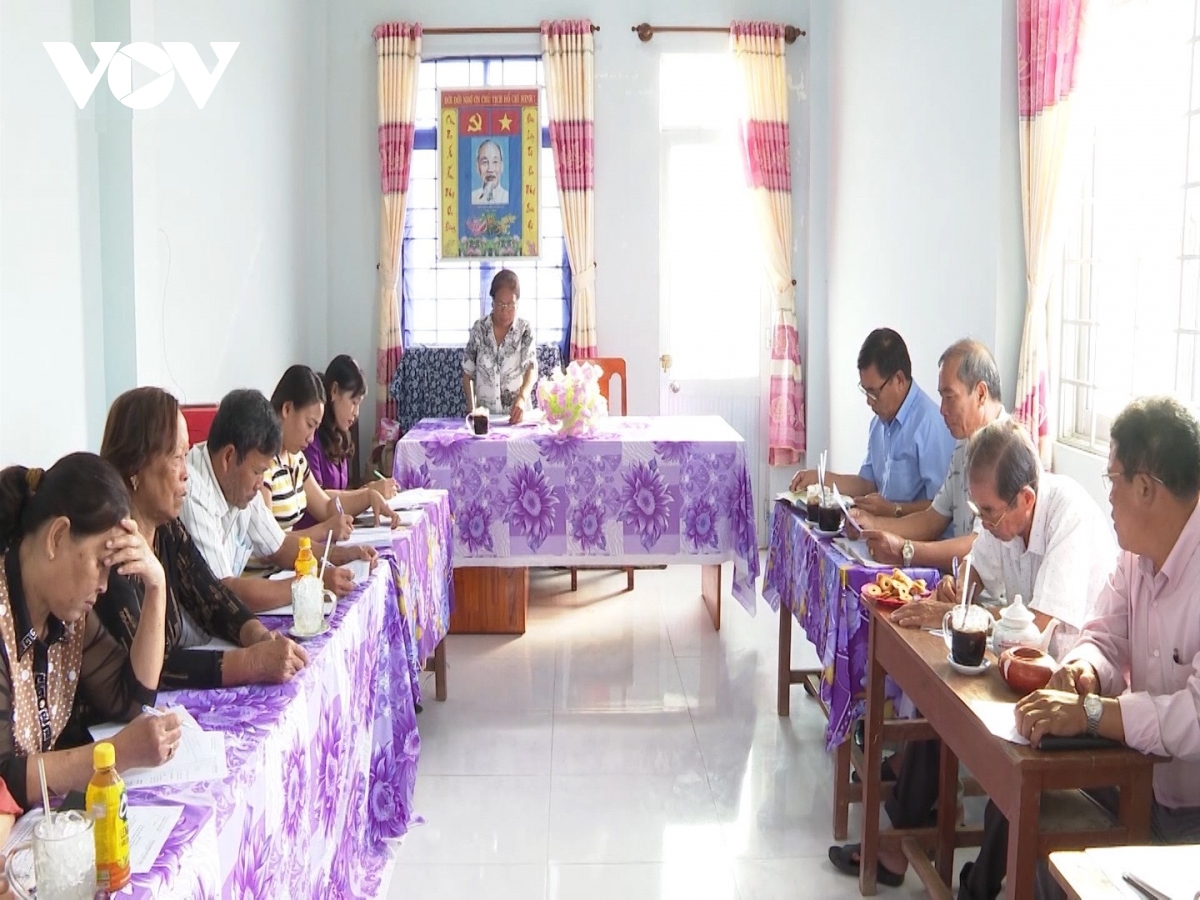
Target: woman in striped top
(289, 487)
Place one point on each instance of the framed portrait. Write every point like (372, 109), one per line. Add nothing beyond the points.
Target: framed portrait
(489, 141)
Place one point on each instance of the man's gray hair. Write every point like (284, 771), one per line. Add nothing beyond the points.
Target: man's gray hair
(1004, 449)
(975, 364)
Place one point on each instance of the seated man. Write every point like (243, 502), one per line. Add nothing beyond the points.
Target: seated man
(908, 446)
(500, 364)
(225, 513)
(1134, 675)
(969, 385)
(1043, 538)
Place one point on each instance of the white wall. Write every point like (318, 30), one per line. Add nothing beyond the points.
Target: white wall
(914, 179)
(42, 347)
(627, 154)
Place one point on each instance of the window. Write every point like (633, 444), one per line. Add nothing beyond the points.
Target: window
(1127, 285)
(710, 255)
(443, 298)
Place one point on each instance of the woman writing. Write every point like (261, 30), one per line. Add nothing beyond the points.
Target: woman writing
(294, 495)
(500, 362)
(329, 453)
(61, 533)
(146, 440)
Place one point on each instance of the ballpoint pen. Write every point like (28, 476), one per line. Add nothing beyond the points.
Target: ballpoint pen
(1144, 888)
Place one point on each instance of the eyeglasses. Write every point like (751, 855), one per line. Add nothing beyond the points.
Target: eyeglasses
(505, 304)
(978, 513)
(872, 394)
(1107, 478)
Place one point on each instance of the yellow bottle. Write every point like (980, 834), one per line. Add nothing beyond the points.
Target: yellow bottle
(306, 563)
(107, 807)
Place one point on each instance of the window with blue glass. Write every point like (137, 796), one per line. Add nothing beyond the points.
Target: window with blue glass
(443, 298)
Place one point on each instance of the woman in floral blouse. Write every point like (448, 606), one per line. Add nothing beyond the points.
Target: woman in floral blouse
(500, 363)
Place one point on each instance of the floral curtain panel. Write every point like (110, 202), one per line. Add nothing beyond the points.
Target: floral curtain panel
(758, 48)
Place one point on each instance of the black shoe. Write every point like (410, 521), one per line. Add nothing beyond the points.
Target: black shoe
(420, 709)
(886, 775)
(845, 858)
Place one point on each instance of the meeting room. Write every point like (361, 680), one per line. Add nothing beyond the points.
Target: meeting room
(686, 450)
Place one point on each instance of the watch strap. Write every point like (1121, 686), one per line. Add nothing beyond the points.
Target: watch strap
(1093, 709)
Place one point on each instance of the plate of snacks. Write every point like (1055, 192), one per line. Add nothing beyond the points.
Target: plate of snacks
(891, 590)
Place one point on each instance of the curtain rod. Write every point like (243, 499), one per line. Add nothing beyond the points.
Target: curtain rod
(646, 31)
(533, 29)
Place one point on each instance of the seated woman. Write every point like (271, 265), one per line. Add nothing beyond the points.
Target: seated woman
(146, 440)
(62, 532)
(291, 491)
(329, 452)
(500, 364)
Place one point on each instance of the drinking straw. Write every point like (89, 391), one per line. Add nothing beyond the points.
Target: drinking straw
(45, 790)
(325, 557)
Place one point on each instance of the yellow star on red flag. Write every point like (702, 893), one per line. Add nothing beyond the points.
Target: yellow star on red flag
(505, 123)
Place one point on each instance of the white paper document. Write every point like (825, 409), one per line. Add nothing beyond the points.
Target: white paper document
(1000, 719)
(106, 730)
(414, 498)
(215, 644)
(149, 828)
(857, 551)
(200, 757)
(1172, 871)
(379, 536)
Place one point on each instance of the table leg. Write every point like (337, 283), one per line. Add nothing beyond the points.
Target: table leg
(869, 852)
(1023, 843)
(439, 670)
(710, 589)
(841, 791)
(783, 700)
(947, 819)
(1134, 805)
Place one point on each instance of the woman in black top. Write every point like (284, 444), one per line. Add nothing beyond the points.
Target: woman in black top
(146, 439)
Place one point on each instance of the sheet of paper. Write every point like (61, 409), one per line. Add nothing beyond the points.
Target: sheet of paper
(380, 536)
(857, 551)
(1173, 871)
(22, 829)
(200, 757)
(999, 718)
(215, 644)
(413, 498)
(108, 729)
(149, 828)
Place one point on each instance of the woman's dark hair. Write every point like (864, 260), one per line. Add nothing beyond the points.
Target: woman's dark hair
(346, 374)
(299, 386)
(505, 278)
(80, 486)
(886, 351)
(142, 425)
(1159, 436)
(245, 421)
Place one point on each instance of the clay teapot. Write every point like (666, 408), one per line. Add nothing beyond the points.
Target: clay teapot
(1016, 628)
(1026, 669)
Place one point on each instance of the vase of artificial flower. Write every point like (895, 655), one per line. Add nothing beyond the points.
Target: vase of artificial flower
(572, 400)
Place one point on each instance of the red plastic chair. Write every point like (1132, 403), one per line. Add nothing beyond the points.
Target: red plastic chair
(199, 417)
(610, 366)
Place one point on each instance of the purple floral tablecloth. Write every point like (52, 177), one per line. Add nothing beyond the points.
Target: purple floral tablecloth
(321, 770)
(821, 588)
(423, 561)
(638, 491)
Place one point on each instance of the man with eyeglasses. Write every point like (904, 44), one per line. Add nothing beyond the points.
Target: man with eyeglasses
(908, 446)
(969, 386)
(500, 363)
(1042, 537)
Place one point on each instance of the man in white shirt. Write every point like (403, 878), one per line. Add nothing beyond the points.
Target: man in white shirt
(225, 513)
(1042, 537)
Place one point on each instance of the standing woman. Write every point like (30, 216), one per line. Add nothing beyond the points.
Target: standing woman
(61, 532)
(293, 495)
(329, 453)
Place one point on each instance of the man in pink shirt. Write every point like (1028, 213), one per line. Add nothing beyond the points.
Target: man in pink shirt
(1134, 675)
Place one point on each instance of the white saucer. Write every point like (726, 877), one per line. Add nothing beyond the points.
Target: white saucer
(969, 670)
(819, 532)
(291, 632)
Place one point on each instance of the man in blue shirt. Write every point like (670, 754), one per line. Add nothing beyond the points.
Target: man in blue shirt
(908, 446)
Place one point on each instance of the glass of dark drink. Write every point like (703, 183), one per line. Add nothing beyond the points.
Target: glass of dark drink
(829, 517)
(813, 503)
(966, 630)
(478, 422)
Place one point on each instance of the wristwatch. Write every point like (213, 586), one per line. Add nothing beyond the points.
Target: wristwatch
(899, 511)
(1093, 709)
(907, 553)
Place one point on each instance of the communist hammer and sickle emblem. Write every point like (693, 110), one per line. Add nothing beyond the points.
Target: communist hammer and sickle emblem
(475, 122)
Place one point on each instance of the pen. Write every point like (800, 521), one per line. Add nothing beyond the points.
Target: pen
(378, 474)
(1143, 887)
(151, 711)
(337, 504)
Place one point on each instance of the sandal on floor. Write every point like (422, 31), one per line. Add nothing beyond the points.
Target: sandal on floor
(845, 858)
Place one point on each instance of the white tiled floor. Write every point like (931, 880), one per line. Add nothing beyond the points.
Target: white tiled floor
(622, 748)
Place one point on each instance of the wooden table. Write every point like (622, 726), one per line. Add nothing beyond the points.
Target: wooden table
(1014, 776)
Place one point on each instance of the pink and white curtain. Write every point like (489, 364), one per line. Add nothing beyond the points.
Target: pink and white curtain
(568, 52)
(1049, 38)
(758, 48)
(398, 45)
